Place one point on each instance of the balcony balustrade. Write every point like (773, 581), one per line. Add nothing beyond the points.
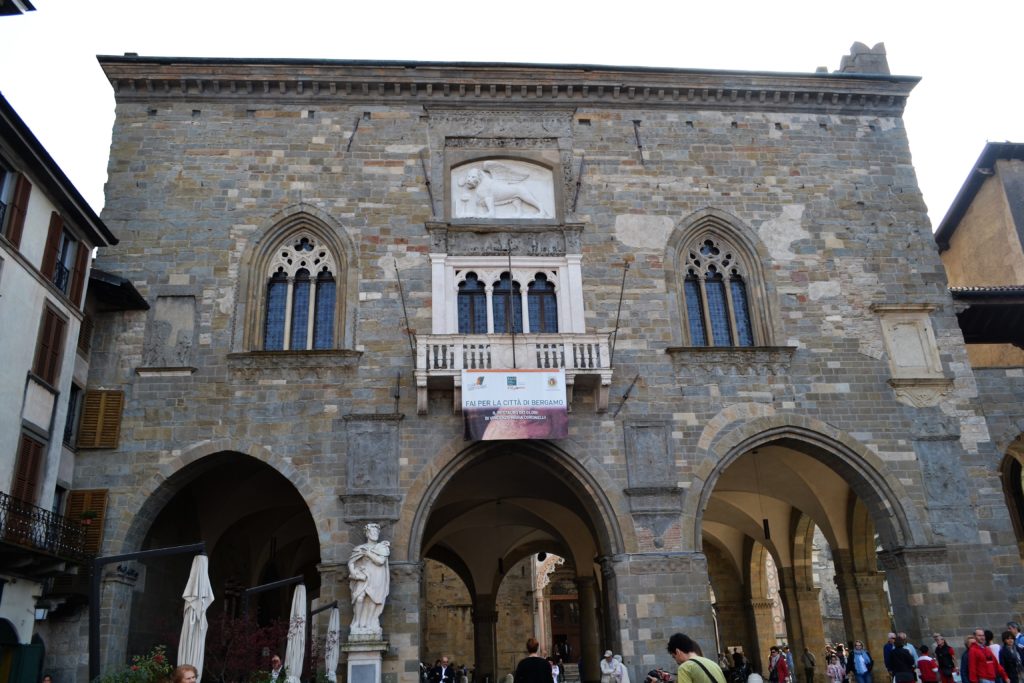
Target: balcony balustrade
(37, 543)
(441, 358)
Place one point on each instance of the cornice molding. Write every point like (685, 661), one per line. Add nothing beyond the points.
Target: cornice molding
(489, 86)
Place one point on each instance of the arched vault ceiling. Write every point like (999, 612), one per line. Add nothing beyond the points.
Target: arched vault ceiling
(789, 477)
(504, 505)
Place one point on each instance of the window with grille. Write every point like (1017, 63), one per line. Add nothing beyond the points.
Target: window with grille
(301, 297)
(715, 293)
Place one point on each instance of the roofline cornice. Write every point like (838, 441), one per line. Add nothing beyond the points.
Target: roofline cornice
(488, 85)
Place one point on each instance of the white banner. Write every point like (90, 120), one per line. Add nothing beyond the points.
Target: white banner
(514, 404)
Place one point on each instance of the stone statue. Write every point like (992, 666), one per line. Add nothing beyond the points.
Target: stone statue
(493, 184)
(370, 581)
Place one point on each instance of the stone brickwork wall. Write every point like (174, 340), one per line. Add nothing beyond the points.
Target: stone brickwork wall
(820, 182)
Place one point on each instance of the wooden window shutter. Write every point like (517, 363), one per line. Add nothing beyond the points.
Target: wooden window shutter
(78, 276)
(18, 209)
(50, 253)
(26, 470)
(85, 335)
(49, 347)
(88, 500)
(101, 419)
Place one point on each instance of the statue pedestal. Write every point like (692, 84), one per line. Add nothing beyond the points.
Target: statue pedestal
(363, 659)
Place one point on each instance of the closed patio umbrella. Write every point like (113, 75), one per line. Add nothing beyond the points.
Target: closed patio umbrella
(198, 596)
(296, 648)
(332, 648)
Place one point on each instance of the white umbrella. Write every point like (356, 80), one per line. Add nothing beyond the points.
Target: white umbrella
(198, 596)
(332, 644)
(296, 648)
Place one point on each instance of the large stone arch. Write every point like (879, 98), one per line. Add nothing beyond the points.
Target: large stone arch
(753, 253)
(898, 523)
(289, 220)
(150, 496)
(609, 511)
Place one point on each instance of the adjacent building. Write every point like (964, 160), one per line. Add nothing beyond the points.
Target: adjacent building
(981, 241)
(734, 269)
(47, 235)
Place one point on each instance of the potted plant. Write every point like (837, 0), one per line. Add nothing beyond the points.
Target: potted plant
(87, 517)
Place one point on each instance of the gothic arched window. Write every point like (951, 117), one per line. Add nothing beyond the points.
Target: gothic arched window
(301, 296)
(717, 308)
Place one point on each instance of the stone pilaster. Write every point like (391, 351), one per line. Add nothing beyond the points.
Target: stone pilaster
(115, 618)
(919, 585)
(761, 614)
(402, 623)
(647, 617)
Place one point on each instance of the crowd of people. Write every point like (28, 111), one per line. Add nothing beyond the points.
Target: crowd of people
(984, 659)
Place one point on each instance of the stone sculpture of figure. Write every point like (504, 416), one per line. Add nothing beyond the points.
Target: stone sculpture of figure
(370, 581)
(495, 184)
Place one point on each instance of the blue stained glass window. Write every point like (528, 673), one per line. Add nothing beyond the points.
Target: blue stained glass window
(742, 313)
(718, 310)
(543, 306)
(323, 320)
(472, 302)
(694, 311)
(277, 299)
(505, 289)
(300, 310)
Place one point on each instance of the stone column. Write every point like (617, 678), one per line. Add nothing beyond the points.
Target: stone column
(849, 596)
(656, 595)
(485, 638)
(733, 625)
(919, 584)
(874, 604)
(590, 634)
(402, 620)
(115, 618)
(811, 634)
(764, 629)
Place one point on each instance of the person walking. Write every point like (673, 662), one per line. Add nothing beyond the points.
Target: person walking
(902, 662)
(611, 670)
(1009, 658)
(533, 668)
(778, 666)
(693, 668)
(982, 664)
(928, 667)
(835, 671)
(808, 660)
(945, 657)
(860, 663)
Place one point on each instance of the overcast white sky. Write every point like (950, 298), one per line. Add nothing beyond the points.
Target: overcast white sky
(968, 55)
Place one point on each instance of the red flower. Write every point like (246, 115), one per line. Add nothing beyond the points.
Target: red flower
(159, 659)
(135, 667)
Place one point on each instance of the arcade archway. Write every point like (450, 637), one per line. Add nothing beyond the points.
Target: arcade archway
(490, 516)
(257, 528)
(788, 534)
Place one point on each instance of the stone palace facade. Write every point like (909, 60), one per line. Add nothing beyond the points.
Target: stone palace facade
(735, 269)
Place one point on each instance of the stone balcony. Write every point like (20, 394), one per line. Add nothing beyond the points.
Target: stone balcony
(441, 358)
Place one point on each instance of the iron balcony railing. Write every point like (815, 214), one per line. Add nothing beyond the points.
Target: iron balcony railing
(34, 528)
